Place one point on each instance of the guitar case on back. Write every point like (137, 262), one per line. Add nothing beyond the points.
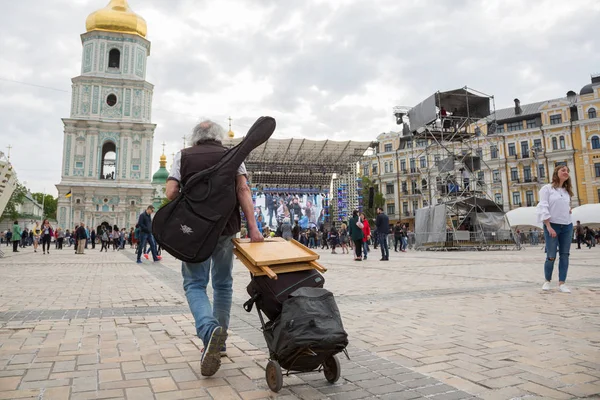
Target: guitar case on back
(189, 227)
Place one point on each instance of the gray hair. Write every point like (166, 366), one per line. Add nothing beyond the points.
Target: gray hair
(207, 130)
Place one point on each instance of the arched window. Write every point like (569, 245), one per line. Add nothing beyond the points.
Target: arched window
(592, 113)
(109, 159)
(114, 58)
(562, 142)
(554, 144)
(595, 142)
(111, 100)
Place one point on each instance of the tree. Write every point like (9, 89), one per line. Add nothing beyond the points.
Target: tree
(49, 203)
(378, 198)
(17, 198)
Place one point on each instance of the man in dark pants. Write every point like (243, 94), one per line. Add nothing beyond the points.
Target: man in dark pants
(580, 235)
(397, 236)
(212, 320)
(145, 223)
(383, 227)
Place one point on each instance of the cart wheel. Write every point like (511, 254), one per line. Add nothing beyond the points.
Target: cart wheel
(332, 369)
(274, 376)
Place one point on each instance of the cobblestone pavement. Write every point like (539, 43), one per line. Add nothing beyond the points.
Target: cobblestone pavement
(424, 325)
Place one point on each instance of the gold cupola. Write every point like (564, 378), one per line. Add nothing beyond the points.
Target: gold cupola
(116, 17)
(230, 133)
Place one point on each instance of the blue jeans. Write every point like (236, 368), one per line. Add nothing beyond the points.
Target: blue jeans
(195, 280)
(365, 249)
(562, 241)
(385, 251)
(146, 237)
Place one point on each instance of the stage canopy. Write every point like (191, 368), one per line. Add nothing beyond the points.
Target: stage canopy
(282, 165)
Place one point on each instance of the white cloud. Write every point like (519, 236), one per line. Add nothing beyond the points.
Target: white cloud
(324, 68)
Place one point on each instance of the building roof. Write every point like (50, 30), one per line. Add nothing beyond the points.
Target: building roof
(587, 89)
(160, 176)
(531, 109)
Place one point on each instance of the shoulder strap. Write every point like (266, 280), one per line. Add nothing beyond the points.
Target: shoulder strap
(259, 133)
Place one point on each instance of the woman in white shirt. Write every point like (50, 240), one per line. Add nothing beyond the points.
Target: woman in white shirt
(554, 211)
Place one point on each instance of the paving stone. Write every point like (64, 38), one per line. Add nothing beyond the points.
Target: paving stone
(9, 383)
(139, 393)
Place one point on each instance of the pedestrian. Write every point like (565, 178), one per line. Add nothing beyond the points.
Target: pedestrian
(104, 240)
(383, 227)
(47, 233)
(333, 238)
(81, 236)
(366, 235)
(355, 230)
(344, 238)
(397, 236)
(16, 236)
(286, 229)
(60, 237)
(212, 322)
(93, 238)
(554, 211)
(37, 233)
(145, 223)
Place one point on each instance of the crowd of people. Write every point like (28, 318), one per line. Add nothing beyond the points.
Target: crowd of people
(79, 238)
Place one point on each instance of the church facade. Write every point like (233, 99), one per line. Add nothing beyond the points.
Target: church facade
(108, 138)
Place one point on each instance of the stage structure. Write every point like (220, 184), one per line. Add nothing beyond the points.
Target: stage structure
(448, 161)
(301, 167)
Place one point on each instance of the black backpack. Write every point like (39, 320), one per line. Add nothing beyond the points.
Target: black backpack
(189, 227)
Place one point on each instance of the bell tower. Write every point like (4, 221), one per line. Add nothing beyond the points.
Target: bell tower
(107, 147)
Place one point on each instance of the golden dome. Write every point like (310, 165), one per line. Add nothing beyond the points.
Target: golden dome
(230, 134)
(116, 17)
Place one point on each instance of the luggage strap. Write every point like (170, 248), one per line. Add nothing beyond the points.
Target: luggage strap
(250, 303)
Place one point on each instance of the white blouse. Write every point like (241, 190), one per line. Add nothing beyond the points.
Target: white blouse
(555, 203)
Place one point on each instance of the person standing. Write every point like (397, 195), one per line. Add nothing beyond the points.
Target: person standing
(104, 241)
(47, 233)
(366, 235)
(579, 232)
(60, 237)
(145, 223)
(37, 232)
(16, 236)
(554, 211)
(397, 236)
(93, 238)
(355, 227)
(383, 227)
(81, 236)
(212, 322)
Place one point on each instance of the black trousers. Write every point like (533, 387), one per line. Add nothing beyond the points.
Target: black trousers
(358, 248)
(60, 242)
(397, 239)
(15, 245)
(46, 242)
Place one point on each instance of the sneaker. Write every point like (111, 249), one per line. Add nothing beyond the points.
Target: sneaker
(563, 288)
(158, 258)
(146, 256)
(139, 261)
(224, 350)
(211, 357)
(546, 286)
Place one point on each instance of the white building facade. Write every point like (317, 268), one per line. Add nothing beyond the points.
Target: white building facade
(108, 138)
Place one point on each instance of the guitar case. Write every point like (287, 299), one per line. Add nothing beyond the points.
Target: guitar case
(189, 227)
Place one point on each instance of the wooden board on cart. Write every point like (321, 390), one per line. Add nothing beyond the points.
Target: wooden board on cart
(274, 251)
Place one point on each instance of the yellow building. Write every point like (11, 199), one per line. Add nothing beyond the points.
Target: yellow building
(519, 148)
(586, 139)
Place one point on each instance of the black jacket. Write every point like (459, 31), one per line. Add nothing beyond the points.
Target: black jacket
(145, 223)
(382, 223)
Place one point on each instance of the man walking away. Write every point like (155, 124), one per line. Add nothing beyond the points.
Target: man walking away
(580, 234)
(145, 223)
(382, 222)
(211, 322)
(81, 238)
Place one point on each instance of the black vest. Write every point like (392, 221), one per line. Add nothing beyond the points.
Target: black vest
(203, 156)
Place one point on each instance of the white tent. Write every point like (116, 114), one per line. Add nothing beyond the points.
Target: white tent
(523, 217)
(588, 214)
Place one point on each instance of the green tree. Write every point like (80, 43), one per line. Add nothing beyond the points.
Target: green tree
(17, 198)
(378, 199)
(49, 202)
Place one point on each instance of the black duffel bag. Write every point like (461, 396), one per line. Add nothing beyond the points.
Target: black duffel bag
(269, 294)
(310, 323)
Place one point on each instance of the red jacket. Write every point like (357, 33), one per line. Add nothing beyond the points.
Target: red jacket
(366, 230)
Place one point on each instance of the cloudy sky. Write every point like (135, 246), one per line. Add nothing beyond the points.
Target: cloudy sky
(323, 68)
